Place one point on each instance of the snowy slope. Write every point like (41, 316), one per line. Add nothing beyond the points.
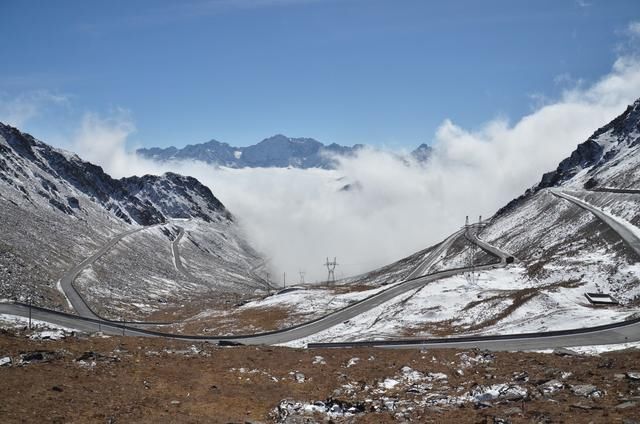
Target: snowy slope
(563, 252)
(56, 209)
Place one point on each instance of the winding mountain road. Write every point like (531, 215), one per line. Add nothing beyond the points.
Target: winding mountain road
(432, 258)
(175, 250)
(78, 303)
(91, 323)
(626, 331)
(616, 224)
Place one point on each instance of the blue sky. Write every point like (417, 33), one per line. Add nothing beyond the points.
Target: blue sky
(380, 72)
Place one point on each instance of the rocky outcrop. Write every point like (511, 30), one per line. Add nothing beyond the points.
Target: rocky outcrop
(623, 130)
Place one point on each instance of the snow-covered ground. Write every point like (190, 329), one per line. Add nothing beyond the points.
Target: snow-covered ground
(598, 349)
(42, 329)
(453, 306)
(319, 300)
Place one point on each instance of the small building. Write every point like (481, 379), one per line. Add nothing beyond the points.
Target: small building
(601, 299)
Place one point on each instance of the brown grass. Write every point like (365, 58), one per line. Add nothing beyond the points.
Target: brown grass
(154, 380)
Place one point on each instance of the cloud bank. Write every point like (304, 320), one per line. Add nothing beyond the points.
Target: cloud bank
(299, 217)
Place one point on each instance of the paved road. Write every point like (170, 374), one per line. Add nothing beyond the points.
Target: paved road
(624, 332)
(615, 333)
(627, 235)
(66, 282)
(275, 337)
(428, 262)
(616, 190)
(175, 249)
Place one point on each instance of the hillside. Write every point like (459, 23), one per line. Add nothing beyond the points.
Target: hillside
(57, 209)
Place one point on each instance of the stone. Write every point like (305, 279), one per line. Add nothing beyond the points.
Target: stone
(633, 375)
(512, 411)
(550, 386)
(627, 405)
(584, 390)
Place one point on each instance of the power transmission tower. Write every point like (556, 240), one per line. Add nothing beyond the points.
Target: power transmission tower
(302, 277)
(470, 275)
(331, 268)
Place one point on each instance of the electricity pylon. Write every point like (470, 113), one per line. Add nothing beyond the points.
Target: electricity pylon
(331, 268)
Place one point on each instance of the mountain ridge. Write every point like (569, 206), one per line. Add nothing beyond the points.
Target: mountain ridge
(55, 167)
(276, 151)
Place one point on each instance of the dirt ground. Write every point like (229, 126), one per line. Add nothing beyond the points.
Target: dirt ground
(82, 379)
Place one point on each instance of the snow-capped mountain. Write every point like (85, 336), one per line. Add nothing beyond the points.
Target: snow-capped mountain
(67, 183)
(565, 249)
(609, 158)
(277, 151)
(57, 209)
(422, 153)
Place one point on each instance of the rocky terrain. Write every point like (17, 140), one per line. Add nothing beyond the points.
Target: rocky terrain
(96, 379)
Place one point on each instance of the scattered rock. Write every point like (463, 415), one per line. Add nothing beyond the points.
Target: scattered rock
(95, 356)
(521, 376)
(319, 360)
(48, 335)
(633, 375)
(57, 389)
(37, 356)
(582, 406)
(352, 362)
(483, 404)
(607, 363)
(512, 411)
(175, 402)
(586, 390)
(627, 405)
(300, 377)
(550, 387)
(5, 361)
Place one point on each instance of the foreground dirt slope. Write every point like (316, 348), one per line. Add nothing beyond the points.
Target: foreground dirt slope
(122, 380)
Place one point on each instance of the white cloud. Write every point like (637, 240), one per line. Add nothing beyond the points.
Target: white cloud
(633, 29)
(18, 110)
(299, 217)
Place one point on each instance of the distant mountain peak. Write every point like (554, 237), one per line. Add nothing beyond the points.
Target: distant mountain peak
(422, 153)
(279, 151)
